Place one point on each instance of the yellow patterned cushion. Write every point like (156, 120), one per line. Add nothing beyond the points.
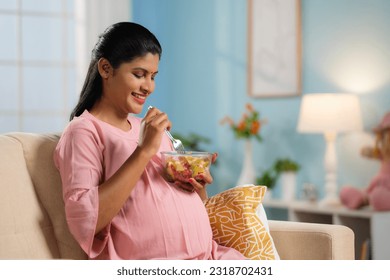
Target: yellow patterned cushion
(235, 223)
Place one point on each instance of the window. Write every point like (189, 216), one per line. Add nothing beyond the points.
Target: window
(44, 54)
(37, 64)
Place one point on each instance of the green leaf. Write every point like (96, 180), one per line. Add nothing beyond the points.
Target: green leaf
(285, 165)
(268, 178)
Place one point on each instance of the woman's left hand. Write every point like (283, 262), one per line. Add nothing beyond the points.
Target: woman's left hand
(199, 183)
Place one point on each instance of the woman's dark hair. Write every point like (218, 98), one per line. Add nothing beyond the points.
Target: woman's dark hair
(121, 42)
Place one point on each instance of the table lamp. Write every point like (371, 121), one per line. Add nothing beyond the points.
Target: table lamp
(329, 114)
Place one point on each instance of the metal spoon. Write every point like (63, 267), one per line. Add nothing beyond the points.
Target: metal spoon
(177, 144)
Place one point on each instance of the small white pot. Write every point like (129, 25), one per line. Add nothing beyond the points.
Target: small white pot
(268, 195)
(288, 181)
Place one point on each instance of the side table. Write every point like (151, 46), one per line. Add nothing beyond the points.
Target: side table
(371, 228)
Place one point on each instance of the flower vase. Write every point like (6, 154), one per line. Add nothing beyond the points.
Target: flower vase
(247, 175)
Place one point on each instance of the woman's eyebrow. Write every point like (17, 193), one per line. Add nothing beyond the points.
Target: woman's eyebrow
(144, 70)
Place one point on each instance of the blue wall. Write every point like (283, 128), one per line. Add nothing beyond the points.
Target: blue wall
(202, 78)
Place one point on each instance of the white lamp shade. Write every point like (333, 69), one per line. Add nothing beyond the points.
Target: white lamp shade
(327, 112)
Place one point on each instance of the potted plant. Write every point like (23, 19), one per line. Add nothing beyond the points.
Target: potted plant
(286, 165)
(268, 178)
(286, 170)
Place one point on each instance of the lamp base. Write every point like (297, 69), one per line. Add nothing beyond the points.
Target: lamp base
(330, 201)
(330, 161)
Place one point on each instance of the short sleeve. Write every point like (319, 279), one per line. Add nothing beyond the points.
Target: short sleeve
(79, 159)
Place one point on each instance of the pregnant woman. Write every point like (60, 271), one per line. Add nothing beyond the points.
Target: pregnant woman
(117, 204)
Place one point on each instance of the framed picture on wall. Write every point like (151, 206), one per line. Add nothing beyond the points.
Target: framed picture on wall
(274, 48)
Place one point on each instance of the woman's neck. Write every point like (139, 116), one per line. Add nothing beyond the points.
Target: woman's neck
(111, 117)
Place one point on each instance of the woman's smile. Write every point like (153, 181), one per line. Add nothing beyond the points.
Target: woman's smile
(139, 98)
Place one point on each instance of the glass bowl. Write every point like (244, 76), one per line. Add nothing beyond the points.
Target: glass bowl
(181, 166)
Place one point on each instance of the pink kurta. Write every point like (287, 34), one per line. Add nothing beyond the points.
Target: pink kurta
(158, 221)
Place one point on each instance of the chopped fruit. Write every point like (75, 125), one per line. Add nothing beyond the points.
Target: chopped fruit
(183, 167)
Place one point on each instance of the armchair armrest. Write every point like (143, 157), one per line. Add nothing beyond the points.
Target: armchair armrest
(311, 241)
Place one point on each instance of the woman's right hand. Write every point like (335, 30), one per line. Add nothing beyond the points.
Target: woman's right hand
(152, 128)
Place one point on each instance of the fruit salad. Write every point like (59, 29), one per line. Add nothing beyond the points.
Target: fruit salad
(181, 167)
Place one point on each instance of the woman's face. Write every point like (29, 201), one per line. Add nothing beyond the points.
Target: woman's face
(128, 86)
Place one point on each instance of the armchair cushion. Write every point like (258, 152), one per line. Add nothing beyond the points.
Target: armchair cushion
(311, 241)
(38, 152)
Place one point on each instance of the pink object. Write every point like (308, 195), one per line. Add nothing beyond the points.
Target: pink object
(352, 198)
(380, 199)
(385, 123)
(379, 189)
(377, 194)
(158, 221)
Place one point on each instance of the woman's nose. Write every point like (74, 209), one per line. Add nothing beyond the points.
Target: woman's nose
(145, 90)
(147, 86)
